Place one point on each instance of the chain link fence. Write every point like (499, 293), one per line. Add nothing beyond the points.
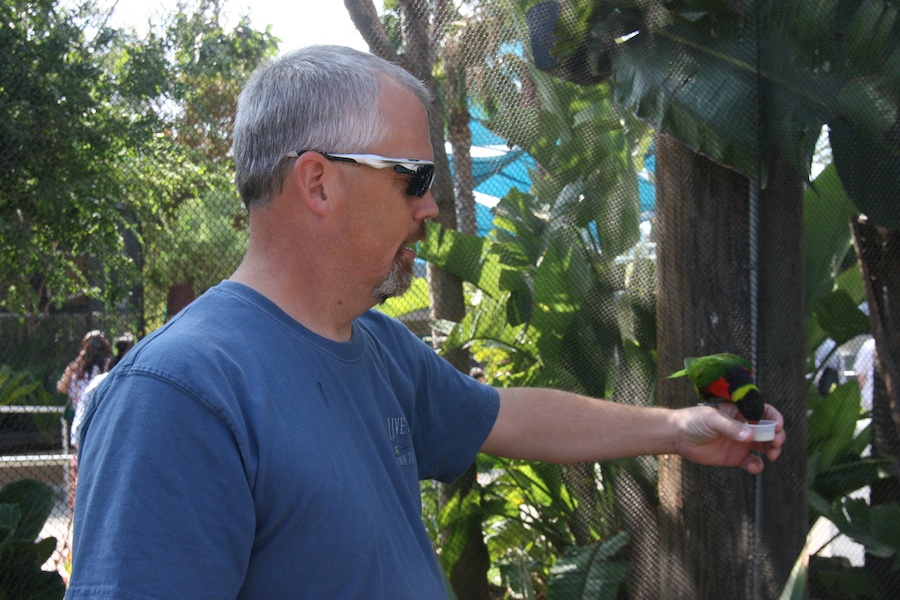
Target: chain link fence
(635, 182)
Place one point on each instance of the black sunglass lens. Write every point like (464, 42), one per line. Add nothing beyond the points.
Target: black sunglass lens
(421, 181)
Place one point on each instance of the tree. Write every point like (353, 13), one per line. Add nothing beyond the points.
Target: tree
(63, 135)
(103, 130)
(191, 67)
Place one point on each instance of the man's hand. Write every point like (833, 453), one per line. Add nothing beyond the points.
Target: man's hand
(716, 436)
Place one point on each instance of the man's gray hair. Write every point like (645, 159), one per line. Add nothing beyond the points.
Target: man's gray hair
(316, 98)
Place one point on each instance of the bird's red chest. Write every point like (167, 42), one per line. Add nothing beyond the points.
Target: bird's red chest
(719, 389)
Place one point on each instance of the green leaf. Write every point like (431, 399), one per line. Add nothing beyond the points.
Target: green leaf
(832, 424)
(457, 518)
(845, 478)
(10, 515)
(827, 211)
(414, 299)
(869, 165)
(43, 550)
(519, 307)
(859, 583)
(863, 137)
(466, 256)
(35, 501)
(585, 572)
(686, 98)
(840, 318)
(875, 527)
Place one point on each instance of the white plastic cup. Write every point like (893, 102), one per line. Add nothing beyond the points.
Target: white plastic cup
(764, 431)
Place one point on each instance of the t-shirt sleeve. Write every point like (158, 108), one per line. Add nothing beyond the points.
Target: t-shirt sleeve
(153, 520)
(454, 425)
(452, 413)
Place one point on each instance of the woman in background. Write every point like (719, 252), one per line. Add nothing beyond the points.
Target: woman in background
(92, 360)
(124, 343)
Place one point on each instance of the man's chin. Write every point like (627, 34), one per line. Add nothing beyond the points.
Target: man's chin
(396, 283)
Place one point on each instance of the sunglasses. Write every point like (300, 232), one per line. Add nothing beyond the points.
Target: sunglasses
(421, 171)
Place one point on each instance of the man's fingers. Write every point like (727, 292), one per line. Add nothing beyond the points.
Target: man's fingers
(732, 428)
(752, 464)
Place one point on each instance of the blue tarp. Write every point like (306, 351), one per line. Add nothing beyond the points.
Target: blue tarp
(646, 184)
(497, 168)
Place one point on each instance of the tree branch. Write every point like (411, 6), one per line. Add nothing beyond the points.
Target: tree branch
(365, 18)
(416, 39)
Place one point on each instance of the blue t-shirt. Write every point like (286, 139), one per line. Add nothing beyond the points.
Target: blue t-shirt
(235, 454)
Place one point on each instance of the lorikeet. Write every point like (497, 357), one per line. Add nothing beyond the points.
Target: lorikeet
(725, 377)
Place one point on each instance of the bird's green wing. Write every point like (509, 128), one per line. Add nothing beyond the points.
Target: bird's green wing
(704, 370)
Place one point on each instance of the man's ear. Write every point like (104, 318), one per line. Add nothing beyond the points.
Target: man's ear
(311, 173)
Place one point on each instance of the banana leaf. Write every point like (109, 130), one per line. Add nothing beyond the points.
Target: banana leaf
(590, 571)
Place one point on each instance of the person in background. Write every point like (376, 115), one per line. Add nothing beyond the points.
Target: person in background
(124, 343)
(268, 441)
(92, 359)
(477, 373)
(829, 368)
(864, 365)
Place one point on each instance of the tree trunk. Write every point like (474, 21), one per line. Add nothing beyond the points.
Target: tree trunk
(460, 136)
(878, 252)
(468, 575)
(179, 296)
(783, 509)
(713, 541)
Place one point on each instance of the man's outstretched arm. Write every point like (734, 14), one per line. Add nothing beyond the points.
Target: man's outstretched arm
(560, 427)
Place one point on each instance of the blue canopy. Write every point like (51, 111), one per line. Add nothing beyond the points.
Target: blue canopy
(497, 168)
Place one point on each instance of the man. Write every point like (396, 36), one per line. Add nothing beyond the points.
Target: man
(268, 441)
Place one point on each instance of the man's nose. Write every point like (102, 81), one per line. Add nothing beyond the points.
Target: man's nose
(426, 207)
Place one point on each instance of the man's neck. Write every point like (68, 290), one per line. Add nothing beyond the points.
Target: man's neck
(308, 303)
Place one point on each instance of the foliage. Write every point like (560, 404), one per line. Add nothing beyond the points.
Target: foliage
(190, 69)
(555, 307)
(506, 323)
(827, 211)
(200, 245)
(63, 137)
(838, 437)
(837, 463)
(24, 508)
(17, 388)
(20, 388)
(525, 510)
(834, 290)
(526, 506)
(547, 270)
(105, 130)
(590, 571)
(876, 527)
(803, 64)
